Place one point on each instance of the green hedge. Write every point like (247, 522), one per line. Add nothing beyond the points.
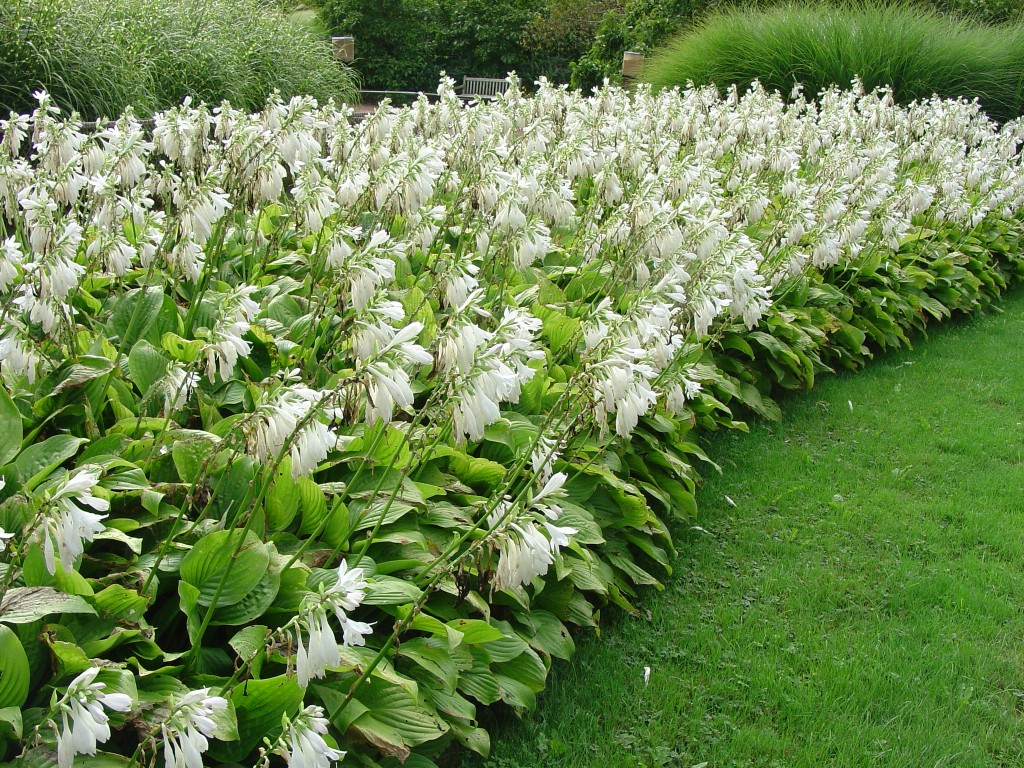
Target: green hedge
(101, 56)
(917, 52)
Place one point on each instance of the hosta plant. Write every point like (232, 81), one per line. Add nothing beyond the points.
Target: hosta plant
(316, 436)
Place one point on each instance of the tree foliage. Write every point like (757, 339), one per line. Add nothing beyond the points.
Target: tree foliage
(405, 44)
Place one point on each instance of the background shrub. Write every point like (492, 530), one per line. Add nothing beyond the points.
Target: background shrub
(643, 25)
(918, 52)
(100, 56)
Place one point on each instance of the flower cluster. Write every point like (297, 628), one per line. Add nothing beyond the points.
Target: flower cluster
(84, 723)
(188, 728)
(525, 552)
(321, 650)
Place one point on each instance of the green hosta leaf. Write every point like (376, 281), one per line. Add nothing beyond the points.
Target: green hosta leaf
(590, 574)
(433, 655)
(11, 723)
(508, 647)
(190, 451)
(209, 564)
(78, 372)
(387, 590)
(575, 516)
(475, 471)
(43, 758)
(282, 503)
(11, 433)
(225, 723)
(471, 737)
(475, 631)
(248, 641)
(35, 574)
(133, 314)
(559, 328)
(257, 601)
(284, 309)
(478, 681)
(636, 574)
(22, 605)
(394, 721)
(414, 760)
(258, 706)
(232, 485)
(146, 365)
(70, 660)
(520, 679)
(188, 602)
(453, 704)
(763, 406)
(40, 459)
(549, 634)
(180, 349)
(369, 515)
(332, 523)
(417, 308)
(14, 670)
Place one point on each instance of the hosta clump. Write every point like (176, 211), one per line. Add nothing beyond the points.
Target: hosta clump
(317, 435)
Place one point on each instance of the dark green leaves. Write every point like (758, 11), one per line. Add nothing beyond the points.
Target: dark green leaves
(14, 670)
(226, 565)
(10, 428)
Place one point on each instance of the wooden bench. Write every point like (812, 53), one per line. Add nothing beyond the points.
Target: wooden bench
(487, 87)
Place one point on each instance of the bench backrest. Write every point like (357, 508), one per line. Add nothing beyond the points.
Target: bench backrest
(483, 86)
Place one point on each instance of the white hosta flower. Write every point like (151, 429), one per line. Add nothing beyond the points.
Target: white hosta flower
(116, 253)
(225, 343)
(458, 277)
(476, 400)
(18, 355)
(388, 387)
(459, 346)
(366, 270)
(11, 258)
(375, 326)
(14, 131)
(187, 730)
(543, 457)
(4, 535)
(322, 650)
(315, 199)
(290, 418)
(178, 386)
(302, 744)
(533, 242)
(187, 257)
(199, 210)
(85, 723)
(222, 352)
(67, 525)
(525, 551)
(679, 393)
(322, 653)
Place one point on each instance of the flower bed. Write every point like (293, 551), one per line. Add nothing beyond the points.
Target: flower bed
(316, 436)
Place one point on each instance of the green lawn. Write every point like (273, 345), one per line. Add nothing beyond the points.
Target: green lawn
(862, 604)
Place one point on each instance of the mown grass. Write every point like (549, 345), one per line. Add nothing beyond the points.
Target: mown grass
(915, 50)
(862, 603)
(100, 56)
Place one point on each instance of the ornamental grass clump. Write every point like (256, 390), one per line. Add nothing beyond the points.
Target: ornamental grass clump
(99, 57)
(914, 50)
(317, 436)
